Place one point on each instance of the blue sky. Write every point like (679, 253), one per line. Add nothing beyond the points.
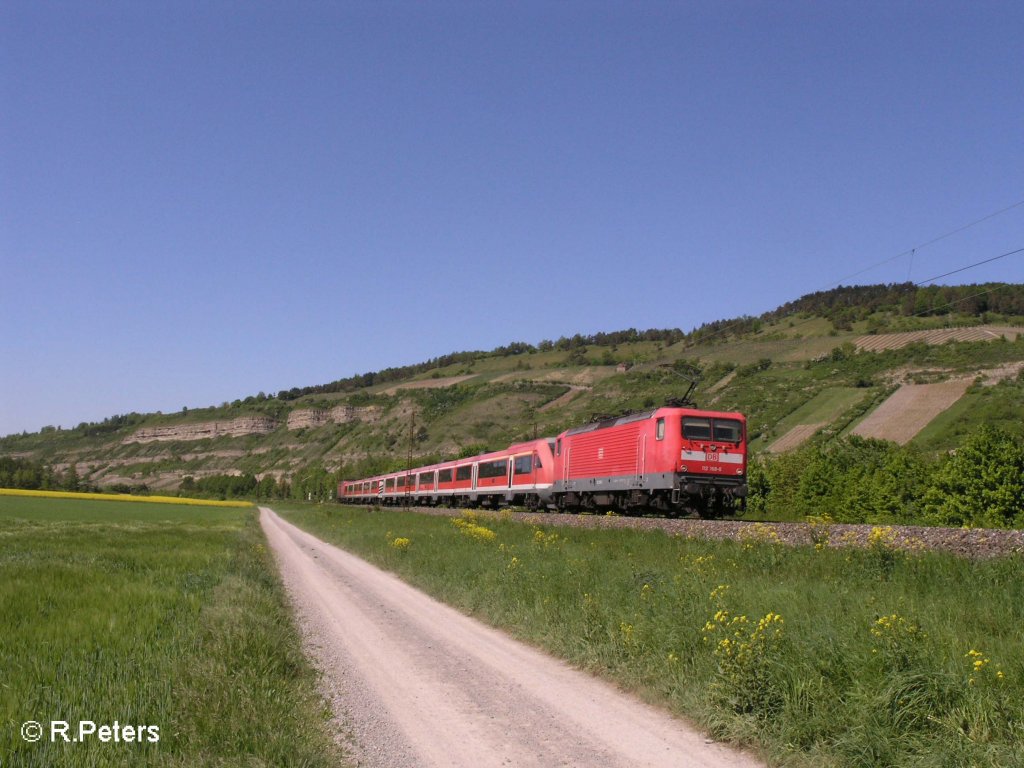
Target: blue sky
(205, 200)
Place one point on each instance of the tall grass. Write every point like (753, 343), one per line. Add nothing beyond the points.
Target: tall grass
(817, 656)
(160, 615)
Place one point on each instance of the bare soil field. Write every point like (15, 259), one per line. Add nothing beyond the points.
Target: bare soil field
(910, 408)
(561, 400)
(451, 381)
(420, 684)
(585, 377)
(994, 375)
(795, 437)
(722, 382)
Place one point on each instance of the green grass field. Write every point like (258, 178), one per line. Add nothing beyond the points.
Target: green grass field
(826, 406)
(154, 615)
(817, 656)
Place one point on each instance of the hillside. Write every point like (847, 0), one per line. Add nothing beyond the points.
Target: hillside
(811, 370)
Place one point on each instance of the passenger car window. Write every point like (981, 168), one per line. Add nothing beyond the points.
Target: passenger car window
(492, 468)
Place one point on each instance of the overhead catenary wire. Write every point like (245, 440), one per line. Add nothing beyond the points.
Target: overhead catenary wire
(912, 252)
(953, 303)
(971, 266)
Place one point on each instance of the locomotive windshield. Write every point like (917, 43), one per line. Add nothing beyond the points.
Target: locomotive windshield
(728, 431)
(696, 429)
(717, 430)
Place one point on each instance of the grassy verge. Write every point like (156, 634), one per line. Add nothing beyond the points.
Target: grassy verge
(152, 615)
(819, 657)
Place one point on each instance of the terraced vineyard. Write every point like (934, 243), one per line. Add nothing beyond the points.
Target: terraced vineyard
(883, 341)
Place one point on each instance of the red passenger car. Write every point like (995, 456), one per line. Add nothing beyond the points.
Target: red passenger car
(520, 474)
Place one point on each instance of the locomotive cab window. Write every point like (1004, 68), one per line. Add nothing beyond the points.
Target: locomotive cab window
(696, 429)
(659, 429)
(728, 431)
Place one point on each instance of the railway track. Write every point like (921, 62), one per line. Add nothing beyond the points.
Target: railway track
(965, 542)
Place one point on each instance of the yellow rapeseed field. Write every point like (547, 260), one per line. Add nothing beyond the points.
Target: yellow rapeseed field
(122, 497)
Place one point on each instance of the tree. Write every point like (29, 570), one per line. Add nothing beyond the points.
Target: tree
(71, 479)
(267, 487)
(313, 482)
(981, 484)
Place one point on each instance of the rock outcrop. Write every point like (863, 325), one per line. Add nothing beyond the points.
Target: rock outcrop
(339, 414)
(308, 417)
(301, 418)
(342, 414)
(239, 427)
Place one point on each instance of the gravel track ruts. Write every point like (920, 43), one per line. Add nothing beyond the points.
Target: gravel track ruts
(966, 542)
(416, 683)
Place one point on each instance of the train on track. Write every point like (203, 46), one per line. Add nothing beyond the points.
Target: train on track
(671, 460)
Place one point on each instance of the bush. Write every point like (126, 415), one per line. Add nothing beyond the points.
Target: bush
(981, 484)
(854, 480)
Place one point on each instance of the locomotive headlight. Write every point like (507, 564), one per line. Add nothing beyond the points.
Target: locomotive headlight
(682, 467)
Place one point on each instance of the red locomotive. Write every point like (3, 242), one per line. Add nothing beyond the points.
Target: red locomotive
(669, 459)
(677, 460)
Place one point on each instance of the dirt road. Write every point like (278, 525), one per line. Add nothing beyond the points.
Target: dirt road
(420, 684)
